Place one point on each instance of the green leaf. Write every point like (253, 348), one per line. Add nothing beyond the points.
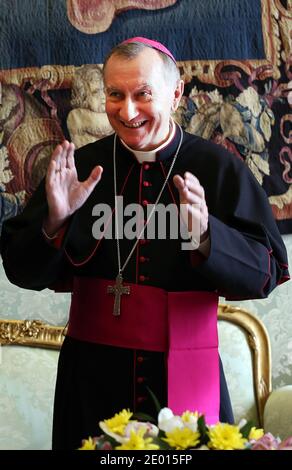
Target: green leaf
(143, 417)
(245, 430)
(162, 444)
(103, 439)
(202, 428)
(155, 400)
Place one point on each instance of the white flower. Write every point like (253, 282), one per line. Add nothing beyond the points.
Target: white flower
(190, 420)
(151, 429)
(242, 423)
(103, 426)
(167, 421)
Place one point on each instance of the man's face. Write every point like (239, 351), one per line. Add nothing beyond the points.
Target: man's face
(139, 100)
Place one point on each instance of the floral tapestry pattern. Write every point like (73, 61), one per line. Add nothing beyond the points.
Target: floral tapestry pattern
(96, 16)
(242, 104)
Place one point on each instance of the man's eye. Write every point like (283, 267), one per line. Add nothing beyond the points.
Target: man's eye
(114, 94)
(145, 95)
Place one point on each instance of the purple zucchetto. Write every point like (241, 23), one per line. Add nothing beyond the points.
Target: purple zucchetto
(154, 44)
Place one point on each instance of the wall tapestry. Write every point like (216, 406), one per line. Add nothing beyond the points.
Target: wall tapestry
(234, 55)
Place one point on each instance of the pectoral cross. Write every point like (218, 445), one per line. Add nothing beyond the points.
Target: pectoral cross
(118, 290)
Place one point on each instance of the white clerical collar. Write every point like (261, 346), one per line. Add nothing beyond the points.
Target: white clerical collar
(150, 156)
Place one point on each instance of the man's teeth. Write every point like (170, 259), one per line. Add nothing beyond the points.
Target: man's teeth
(134, 124)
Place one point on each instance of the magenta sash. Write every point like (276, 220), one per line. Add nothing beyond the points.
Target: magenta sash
(183, 324)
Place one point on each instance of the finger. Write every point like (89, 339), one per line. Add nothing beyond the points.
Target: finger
(192, 198)
(52, 167)
(63, 157)
(189, 175)
(93, 179)
(178, 182)
(55, 163)
(199, 213)
(193, 184)
(186, 184)
(194, 210)
(56, 155)
(182, 189)
(191, 217)
(59, 152)
(51, 177)
(70, 156)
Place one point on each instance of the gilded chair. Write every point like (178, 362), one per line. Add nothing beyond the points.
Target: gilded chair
(28, 365)
(27, 381)
(246, 355)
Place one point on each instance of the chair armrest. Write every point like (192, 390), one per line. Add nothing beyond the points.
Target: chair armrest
(278, 412)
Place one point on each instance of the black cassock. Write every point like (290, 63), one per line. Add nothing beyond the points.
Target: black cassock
(247, 260)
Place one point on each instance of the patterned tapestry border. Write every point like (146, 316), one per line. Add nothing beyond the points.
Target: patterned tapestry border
(242, 105)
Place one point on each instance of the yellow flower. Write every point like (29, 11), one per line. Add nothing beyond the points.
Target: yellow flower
(182, 438)
(88, 444)
(225, 436)
(138, 442)
(255, 434)
(190, 420)
(189, 416)
(118, 423)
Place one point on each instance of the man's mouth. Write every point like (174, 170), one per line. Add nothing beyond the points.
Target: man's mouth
(133, 125)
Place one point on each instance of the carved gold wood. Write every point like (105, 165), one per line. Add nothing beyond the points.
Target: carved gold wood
(259, 343)
(38, 334)
(31, 333)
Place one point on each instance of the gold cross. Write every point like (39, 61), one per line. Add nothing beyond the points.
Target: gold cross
(118, 290)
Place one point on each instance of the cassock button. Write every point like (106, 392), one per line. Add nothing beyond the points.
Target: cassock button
(145, 202)
(142, 259)
(146, 184)
(140, 359)
(146, 166)
(140, 380)
(141, 399)
(143, 278)
(144, 241)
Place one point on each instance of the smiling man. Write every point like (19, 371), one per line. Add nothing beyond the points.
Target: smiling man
(143, 315)
(140, 95)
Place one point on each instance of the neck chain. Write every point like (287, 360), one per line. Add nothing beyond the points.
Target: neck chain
(118, 289)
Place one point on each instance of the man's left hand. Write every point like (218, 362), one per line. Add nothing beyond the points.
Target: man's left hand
(192, 194)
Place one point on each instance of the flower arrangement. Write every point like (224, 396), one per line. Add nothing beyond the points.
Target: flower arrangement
(173, 432)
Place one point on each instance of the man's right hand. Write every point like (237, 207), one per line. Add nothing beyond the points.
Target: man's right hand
(65, 194)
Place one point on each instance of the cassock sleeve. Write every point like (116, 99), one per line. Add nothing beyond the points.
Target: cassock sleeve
(29, 260)
(247, 257)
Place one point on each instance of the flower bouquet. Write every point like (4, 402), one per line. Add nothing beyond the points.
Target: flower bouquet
(173, 432)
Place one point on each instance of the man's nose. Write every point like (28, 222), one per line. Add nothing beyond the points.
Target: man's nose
(128, 110)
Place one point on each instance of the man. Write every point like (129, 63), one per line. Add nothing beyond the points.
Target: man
(143, 312)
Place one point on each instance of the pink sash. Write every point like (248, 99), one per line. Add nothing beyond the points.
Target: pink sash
(184, 324)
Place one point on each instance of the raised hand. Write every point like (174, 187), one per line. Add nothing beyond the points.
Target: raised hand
(192, 194)
(65, 194)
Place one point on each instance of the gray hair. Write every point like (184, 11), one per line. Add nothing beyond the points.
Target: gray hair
(133, 49)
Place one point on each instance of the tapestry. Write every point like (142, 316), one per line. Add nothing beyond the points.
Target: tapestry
(234, 56)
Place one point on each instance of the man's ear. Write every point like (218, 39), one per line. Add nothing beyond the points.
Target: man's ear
(178, 92)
